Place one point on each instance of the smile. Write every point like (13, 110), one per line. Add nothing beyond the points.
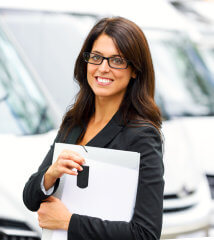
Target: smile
(103, 81)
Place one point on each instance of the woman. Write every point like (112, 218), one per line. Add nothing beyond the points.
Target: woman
(114, 109)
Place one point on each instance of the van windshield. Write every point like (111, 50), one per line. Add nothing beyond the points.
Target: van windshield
(183, 83)
(58, 38)
(23, 109)
(208, 56)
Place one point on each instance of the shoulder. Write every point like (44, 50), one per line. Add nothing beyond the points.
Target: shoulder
(142, 136)
(142, 129)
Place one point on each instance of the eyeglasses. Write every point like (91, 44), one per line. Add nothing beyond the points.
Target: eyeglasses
(113, 62)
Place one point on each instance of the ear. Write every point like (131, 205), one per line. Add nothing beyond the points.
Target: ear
(133, 75)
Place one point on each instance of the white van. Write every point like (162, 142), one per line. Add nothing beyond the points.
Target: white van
(28, 118)
(185, 96)
(200, 15)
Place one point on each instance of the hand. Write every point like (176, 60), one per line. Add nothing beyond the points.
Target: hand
(65, 163)
(53, 214)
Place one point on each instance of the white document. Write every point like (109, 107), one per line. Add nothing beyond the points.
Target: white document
(111, 190)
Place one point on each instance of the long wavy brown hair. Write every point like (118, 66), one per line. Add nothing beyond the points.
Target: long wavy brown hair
(138, 102)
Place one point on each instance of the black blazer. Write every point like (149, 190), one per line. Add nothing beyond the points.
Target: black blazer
(146, 222)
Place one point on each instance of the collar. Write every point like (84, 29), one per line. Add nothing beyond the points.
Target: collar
(112, 128)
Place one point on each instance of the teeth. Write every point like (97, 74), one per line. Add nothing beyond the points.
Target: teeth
(102, 80)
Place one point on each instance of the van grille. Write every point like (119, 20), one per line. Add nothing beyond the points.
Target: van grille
(177, 196)
(182, 200)
(13, 224)
(16, 230)
(14, 237)
(178, 209)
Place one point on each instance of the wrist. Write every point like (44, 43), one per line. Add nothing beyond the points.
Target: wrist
(49, 180)
(66, 222)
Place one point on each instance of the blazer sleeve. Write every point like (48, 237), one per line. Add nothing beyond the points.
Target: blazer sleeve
(32, 193)
(146, 222)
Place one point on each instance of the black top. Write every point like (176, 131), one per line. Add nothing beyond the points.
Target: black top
(146, 221)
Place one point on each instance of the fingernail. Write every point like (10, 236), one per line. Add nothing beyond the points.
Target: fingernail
(81, 168)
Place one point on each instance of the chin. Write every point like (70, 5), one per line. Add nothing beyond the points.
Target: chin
(102, 95)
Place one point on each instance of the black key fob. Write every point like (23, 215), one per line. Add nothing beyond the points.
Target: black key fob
(83, 176)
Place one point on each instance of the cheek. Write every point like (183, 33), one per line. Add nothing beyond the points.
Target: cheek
(91, 69)
(89, 73)
(124, 78)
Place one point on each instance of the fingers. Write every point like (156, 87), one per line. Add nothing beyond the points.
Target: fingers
(69, 164)
(70, 172)
(53, 214)
(68, 160)
(71, 155)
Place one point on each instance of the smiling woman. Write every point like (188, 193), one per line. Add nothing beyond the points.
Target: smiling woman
(114, 109)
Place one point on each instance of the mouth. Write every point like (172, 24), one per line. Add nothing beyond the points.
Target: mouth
(103, 81)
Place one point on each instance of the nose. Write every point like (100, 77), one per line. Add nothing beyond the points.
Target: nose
(104, 67)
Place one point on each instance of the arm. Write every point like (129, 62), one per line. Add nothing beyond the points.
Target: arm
(147, 218)
(67, 160)
(32, 193)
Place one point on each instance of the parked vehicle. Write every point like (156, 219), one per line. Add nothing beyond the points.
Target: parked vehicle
(27, 116)
(20, 156)
(185, 95)
(52, 45)
(200, 15)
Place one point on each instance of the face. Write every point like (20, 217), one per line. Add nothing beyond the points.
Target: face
(104, 80)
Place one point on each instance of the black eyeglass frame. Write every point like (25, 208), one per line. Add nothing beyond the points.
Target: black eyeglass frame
(107, 58)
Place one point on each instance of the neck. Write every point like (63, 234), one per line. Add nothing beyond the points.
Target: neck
(105, 109)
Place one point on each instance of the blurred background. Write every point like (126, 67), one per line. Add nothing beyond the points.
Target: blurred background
(39, 43)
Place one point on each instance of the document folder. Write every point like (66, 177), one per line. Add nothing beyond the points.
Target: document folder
(108, 189)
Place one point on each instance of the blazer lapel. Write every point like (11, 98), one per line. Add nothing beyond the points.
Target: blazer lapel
(73, 135)
(113, 127)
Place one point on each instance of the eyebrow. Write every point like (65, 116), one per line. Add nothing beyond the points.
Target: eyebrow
(114, 55)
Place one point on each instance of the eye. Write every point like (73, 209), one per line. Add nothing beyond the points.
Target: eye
(96, 58)
(117, 61)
